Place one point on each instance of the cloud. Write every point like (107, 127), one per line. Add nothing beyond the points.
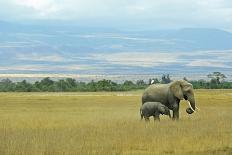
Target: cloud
(41, 8)
(140, 13)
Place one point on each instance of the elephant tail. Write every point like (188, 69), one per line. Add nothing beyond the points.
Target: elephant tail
(144, 98)
(141, 114)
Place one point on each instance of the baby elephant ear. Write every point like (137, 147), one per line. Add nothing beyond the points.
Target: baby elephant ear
(176, 89)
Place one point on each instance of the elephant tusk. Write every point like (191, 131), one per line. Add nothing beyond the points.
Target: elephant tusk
(190, 106)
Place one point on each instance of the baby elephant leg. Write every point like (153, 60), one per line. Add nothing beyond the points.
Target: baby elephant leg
(156, 117)
(146, 119)
(141, 116)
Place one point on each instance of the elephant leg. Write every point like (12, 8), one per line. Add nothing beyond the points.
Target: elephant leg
(141, 115)
(147, 119)
(156, 117)
(175, 112)
(175, 115)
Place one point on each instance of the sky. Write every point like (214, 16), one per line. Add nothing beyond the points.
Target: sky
(125, 13)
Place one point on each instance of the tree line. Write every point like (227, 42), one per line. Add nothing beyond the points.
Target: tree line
(68, 85)
(71, 85)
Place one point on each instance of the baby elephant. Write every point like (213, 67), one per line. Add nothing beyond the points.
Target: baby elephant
(153, 109)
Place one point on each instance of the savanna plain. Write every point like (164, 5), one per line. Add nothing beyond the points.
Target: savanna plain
(109, 123)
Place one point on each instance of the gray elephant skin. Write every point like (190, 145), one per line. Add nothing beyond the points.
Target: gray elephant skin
(153, 109)
(170, 95)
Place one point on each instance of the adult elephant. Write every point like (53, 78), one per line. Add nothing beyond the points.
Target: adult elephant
(170, 95)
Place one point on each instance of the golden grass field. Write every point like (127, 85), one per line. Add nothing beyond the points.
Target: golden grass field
(109, 123)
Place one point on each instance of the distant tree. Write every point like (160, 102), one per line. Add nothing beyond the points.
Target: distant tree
(47, 81)
(216, 77)
(7, 85)
(185, 79)
(45, 84)
(165, 79)
(7, 81)
(61, 85)
(80, 86)
(24, 86)
(128, 85)
(92, 86)
(105, 85)
(199, 84)
(71, 83)
(140, 83)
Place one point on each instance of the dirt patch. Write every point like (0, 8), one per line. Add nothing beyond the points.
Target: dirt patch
(224, 150)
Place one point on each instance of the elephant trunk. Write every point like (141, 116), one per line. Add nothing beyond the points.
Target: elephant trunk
(192, 105)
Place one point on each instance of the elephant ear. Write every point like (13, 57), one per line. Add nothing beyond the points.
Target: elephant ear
(176, 89)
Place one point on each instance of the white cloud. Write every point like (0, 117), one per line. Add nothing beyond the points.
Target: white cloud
(41, 8)
(158, 13)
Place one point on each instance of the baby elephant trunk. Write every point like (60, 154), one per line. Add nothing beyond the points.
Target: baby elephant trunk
(166, 111)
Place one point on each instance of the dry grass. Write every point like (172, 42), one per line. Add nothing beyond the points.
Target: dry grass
(88, 123)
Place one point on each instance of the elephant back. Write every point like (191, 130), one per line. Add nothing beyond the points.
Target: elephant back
(155, 93)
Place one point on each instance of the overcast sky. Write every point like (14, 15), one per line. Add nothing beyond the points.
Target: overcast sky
(147, 13)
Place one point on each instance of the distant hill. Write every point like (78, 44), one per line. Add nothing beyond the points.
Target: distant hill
(63, 45)
(205, 39)
(188, 39)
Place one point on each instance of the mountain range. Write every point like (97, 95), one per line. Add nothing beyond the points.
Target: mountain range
(65, 49)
